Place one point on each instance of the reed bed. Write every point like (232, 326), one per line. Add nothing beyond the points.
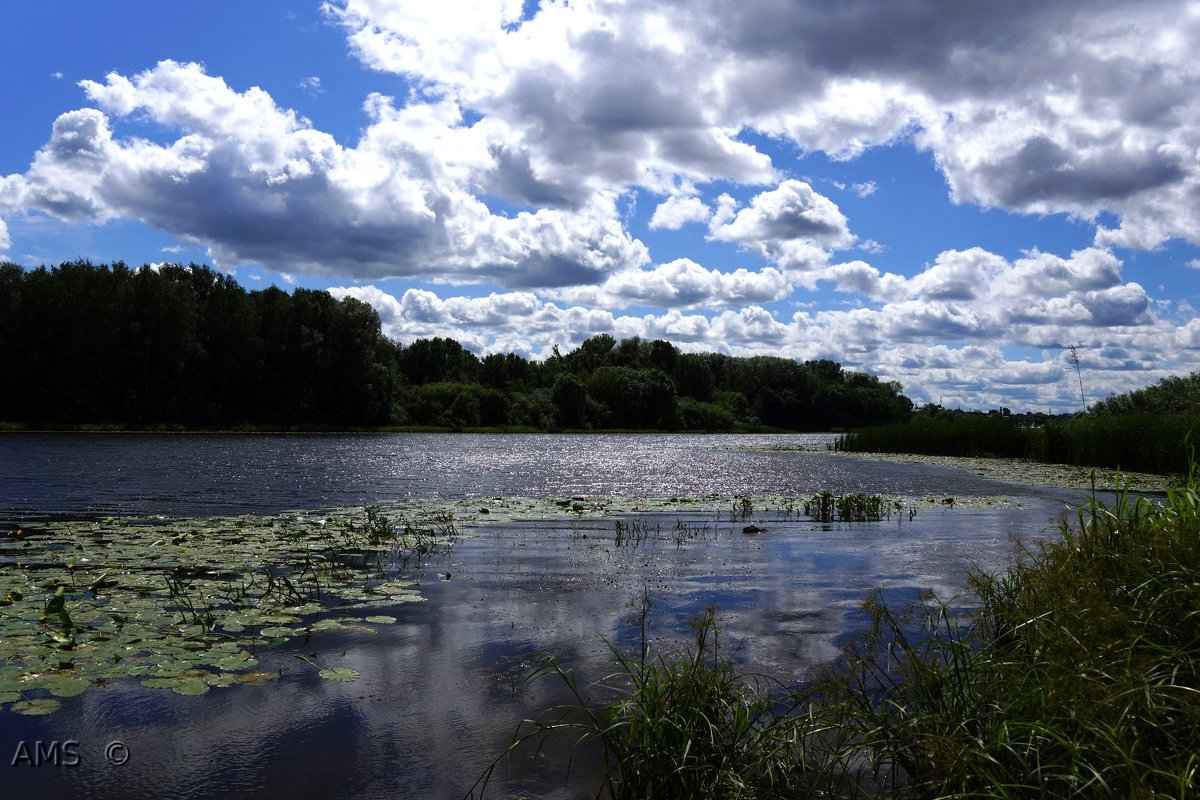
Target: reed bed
(1132, 442)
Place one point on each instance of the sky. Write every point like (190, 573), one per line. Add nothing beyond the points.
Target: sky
(943, 194)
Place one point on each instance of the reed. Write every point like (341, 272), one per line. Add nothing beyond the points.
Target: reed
(685, 724)
(1132, 442)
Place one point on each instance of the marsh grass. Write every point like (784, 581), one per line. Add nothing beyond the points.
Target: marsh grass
(1078, 675)
(686, 724)
(1131, 442)
(828, 507)
(1075, 674)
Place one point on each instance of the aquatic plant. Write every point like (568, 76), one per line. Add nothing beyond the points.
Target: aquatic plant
(686, 724)
(634, 532)
(827, 507)
(743, 507)
(184, 604)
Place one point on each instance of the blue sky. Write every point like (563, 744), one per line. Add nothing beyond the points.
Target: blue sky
(943, 195)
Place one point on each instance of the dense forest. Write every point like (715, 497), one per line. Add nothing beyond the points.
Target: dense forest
(186, 347)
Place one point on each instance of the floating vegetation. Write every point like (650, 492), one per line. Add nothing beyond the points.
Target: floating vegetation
(185, 604)
(829, 507)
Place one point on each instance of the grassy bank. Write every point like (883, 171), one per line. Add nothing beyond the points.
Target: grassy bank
(1135, 442)
(1077, 676)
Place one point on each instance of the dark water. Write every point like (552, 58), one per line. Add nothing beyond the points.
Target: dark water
(441, 691)
(201, 474)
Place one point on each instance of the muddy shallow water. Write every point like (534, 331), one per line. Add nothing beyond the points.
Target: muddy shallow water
(441, 690)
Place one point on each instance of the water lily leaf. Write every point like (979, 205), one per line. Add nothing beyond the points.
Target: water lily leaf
(190, 686)
(276, 632)
(339, 674)
(36, 708)
(13, 684)
(66, 686)
(221, 679)
(235, 663)
(380, 619)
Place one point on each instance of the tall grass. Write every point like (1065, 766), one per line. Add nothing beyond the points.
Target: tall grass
(1133, 442)
(687, 724)
(1077, 675)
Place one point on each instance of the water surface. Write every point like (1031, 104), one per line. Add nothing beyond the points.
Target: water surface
(441, 691)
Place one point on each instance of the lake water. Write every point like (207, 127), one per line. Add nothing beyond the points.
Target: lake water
(441, 691)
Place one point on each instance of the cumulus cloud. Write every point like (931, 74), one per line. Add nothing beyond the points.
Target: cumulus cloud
(675, 212)
(312, 85)
(792, 211)
(1041, 107)
(865, 189)
(683, 284)
(258, 184)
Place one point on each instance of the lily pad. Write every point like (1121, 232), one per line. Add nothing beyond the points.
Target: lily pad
(36, 708)
(176, 602)
(190, 686)
(66, 686)
(276, 632)
(339, 674)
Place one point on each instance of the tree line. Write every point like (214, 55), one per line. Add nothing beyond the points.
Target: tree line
(188, 347)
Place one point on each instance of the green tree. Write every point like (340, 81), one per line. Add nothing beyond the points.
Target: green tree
(570, 401)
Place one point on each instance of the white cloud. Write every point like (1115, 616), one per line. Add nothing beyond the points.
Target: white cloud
(792, 212)
(683, 284)
(312, 85)
(257, 183)
(1046, 108)
(944, 333)
(675, 212)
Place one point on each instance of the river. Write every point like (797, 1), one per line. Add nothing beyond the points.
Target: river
(441, 691)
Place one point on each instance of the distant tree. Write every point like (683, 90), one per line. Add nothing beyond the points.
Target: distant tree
(570, 401)
(437, 359)
(594, 352)
(693, 376)
(1173, 395)
(663, 356)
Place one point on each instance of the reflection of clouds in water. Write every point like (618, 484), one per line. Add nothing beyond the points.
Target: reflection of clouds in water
(441, 691)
